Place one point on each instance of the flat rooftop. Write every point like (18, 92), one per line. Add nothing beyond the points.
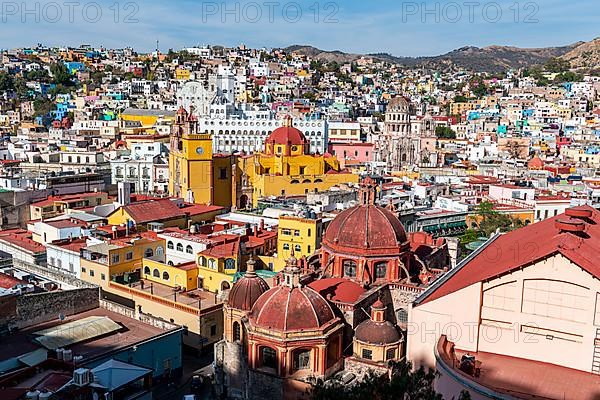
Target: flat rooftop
(132, 332)
(191, 298)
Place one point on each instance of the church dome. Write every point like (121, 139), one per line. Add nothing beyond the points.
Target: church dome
(377, 330)
(287, 135)
(247, 290)
(286, 309)
(398, 104)
(365, 227)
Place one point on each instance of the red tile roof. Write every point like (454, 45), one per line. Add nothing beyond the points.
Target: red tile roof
(7, 281)
(74, 245)
(338, 289)
(154, 210)
(228, 248)
(23, 239)
(574, 235)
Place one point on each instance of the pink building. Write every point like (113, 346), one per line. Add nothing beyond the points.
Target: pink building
(361, 152)
(520, 318)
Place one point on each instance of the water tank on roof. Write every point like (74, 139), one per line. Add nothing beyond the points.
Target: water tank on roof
(35, 395)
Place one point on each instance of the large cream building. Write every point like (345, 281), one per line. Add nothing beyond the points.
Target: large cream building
(520, 317)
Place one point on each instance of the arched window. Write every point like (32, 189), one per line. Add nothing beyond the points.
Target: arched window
(202, 261)
(146, 270)
(170, 245)
(165, 275)
(237, 332)
(301, 359)
(179, 247)
(349, 268)
(381, 270)
(189, 250)
(212, 264)
(268, 357)
(230, 263)
(156, 273)
(149, 252)
(160, 251)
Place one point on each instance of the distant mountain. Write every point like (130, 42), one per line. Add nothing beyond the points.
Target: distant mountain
(323, 55)
(585, 56)
(487, 59)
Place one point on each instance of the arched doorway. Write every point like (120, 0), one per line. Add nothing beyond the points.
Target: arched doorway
(243, 201)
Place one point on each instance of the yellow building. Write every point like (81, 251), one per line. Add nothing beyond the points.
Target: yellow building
(195, 174)
(286, 168)
(302, 236)
(103, 262)
(146, 117)
(182, 74)
(218, 264)
(168, 212)
(184, 276)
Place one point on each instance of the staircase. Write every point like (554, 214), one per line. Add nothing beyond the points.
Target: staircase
(596, 357)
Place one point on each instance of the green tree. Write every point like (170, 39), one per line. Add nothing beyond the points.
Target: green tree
(42, 106)
(469, 236)
(61, 75)
(492, 220)
(401, 383)
(444, 132)
(557, 65)
(7, 81)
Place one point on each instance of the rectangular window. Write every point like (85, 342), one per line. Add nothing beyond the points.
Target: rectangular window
(91, 272)
(296, 232)
(286, 232)
(103, 277)
(213, 330)
(83, 270)
(390, 354)
(286, 246)
(222, 173)
(129, 256)
(367, 354)
(115, 258)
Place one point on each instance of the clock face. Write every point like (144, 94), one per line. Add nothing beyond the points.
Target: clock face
(199, 150)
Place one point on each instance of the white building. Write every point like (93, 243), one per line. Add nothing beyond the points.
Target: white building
(146, 167)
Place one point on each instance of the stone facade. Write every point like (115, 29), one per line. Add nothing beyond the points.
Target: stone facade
(31, 309)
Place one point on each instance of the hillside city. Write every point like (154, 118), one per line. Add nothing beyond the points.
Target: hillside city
(239, 223)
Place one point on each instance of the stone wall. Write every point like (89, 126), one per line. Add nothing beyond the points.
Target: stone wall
(231, 370)
(36, 308)
(131, 313)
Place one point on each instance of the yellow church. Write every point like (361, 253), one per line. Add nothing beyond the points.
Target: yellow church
(285, 167)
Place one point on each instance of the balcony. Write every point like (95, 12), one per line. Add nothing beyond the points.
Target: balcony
(503, 377)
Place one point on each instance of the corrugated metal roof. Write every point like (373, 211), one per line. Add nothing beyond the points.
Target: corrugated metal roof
(75, 332)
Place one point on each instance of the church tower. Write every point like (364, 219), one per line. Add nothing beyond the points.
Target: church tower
(190, 161)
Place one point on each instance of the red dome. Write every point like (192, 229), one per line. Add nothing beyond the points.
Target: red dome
(365, 227)
(287, 309)
(246, 291)
(287, 135)
(373, 332)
